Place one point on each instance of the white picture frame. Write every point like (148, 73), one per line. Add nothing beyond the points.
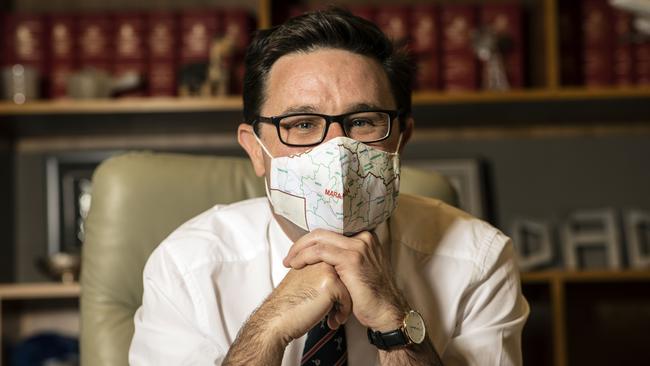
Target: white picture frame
(465, 176)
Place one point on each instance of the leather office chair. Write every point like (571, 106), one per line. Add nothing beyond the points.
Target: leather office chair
(140, 198)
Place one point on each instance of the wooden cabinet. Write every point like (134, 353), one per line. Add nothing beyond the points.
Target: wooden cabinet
(587, 318)
(576, 317)
(26, 309)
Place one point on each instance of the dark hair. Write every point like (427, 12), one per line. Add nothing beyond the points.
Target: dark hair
(331, 28)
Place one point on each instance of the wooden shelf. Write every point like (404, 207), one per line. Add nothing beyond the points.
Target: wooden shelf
(58, 290)
(43, 290)
(586, 276)
(127, 105)
(530, 95)
(234, 103)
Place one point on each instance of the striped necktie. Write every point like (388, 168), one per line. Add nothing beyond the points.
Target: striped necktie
(325, 346)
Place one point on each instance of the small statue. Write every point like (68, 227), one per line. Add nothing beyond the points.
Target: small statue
(211, 78)
(490, 47)
(218, 81)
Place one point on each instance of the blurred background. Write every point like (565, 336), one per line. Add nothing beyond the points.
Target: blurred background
(538, 112)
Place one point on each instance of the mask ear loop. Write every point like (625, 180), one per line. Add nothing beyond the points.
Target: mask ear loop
(266, 184)
(399, 144)
(396, 160)
(262, 145)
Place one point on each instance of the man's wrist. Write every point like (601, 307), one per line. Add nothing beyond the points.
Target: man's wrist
(389, 320)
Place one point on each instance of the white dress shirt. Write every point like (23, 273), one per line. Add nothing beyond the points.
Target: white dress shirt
(203, 282)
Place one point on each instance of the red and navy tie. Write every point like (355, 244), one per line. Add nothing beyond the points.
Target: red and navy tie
(325, 346)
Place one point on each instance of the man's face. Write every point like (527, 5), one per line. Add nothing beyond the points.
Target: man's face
(327, 81)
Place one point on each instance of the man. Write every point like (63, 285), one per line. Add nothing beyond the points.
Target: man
(304, 276)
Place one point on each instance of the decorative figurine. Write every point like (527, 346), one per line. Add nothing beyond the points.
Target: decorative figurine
(490, 47)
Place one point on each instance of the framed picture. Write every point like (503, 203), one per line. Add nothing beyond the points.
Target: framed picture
(466, 176)
(69, 191)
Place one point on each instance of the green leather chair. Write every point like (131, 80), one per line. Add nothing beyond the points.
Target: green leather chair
(140, 198)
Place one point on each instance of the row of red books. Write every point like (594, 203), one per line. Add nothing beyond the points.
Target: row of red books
(441, 40)
(153, 44)
(598, 46)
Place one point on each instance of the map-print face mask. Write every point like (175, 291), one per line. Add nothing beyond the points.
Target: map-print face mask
(341, 185)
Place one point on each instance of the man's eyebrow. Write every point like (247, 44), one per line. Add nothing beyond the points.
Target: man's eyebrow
(363, 107)
(307, 108)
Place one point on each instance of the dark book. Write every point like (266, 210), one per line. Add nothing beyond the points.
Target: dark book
(570, 42)
(506, 21)
(238, 25)
(61, 35)
(198, 28)
(95, 40)
(162, 41)
(394, 22)
(597, 30)
(459, 66)
(425, 28)
(58, 79)
(24, 41)
(642, 58)
(623, 62)
(129, 37)
(129, 40)
(425, 46)
(427, 77)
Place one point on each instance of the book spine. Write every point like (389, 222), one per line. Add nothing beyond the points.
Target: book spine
(623, 56)
(162, 42)
(597, 30)
(642, 55)
(61, 35)
(394, 22)
(197, 28)
(238, 25)
(25, 41)
(425, 46)
(570, 40)
(130, 52)
(459, 64)
(95, 41)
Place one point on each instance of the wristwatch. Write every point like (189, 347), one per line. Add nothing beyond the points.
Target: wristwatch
(412, 331)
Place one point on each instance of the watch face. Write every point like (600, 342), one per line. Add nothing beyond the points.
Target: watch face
(414, 326)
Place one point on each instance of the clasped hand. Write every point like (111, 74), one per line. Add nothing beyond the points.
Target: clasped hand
(362, 268)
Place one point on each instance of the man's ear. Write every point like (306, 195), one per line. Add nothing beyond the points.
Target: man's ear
(406, 134)
(247, 140)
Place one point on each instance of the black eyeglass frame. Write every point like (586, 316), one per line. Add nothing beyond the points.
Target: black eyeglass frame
(275, 120)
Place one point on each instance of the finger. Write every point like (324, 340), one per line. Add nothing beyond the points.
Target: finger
(332, 320)
(325, 237)
(320, 252)
(343, 300)
(312, 238)
(366, 237)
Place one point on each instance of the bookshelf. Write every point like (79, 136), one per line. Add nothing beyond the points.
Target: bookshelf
(560, 295)
(233, 103)
(552, 294)
(541, 39)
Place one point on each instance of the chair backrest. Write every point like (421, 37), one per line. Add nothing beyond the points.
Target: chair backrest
(139, 199)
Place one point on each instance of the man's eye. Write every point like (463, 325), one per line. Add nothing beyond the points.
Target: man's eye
(361, 122)
(299, 124)
(304, 125)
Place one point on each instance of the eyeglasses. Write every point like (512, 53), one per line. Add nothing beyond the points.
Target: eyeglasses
(308, 129)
